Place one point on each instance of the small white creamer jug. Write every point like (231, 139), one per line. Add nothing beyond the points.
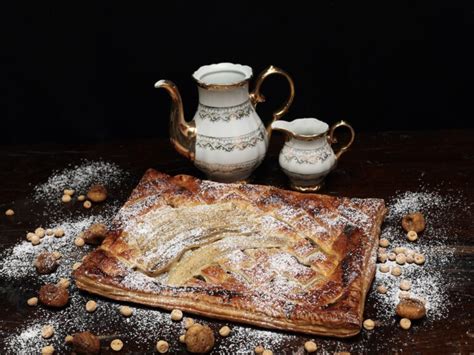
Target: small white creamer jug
(307, 156)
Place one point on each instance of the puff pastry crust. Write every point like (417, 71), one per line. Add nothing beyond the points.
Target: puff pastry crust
(241, 252)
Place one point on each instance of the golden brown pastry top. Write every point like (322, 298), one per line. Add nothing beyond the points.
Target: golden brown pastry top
(301, 258)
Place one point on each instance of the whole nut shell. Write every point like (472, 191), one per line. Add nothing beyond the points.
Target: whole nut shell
(46, 263)
(97, 193)
(413, 222)
(95, 234)
(199, 339)
(411, 308)
(86, 343)
(53, 296)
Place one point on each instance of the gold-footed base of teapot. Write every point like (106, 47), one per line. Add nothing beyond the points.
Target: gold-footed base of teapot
(310, 188)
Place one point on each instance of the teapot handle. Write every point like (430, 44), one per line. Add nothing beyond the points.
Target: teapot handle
(256, 97)
(332, 139)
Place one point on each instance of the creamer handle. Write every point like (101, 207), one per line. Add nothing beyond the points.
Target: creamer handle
(332, 140)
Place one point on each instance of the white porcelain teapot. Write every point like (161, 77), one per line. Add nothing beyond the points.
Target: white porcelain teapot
(226, 138)
(307, 156)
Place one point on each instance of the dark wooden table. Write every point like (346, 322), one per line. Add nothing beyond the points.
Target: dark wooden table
(378, 165)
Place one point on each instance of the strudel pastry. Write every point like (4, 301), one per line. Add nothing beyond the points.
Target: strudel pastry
(241, 252)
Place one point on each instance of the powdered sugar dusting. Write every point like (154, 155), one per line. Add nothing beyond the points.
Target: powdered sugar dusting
(79, 177)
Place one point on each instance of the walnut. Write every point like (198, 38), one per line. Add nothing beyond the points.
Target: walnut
(97, 193)
(46, 263)
(411, 308)
(95, 234)
(86, 343)
(53, 296)
(199, 339)
(413, 222)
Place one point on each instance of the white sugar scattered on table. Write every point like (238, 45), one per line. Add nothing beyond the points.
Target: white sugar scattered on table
(429, 281)
(79, 177)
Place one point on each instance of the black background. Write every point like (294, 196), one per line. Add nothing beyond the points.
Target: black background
(77, 72)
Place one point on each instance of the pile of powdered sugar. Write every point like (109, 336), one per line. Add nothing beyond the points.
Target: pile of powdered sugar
(79, 177)
(429, 281)
(147, 325)
(17, 262)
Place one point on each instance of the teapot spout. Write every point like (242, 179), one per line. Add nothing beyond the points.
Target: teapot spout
(182, 133)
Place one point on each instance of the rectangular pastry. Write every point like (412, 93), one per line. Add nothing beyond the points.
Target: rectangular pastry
(247, 253)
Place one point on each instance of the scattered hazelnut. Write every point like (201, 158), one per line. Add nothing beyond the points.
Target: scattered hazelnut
(47, 331)
(95, 234)
(66, 198)
(47, 350)
(40, 232)
(411, 308)
(182, 338)
(97, 193)
(64, 283)
(162, 346)
(399, 250)
(68, 339)
(69, 192)
(188, 322)
(9, 212)
(46, 263)
(419, 259)
(413, 222)
(410, 259)
(35, 240)
(56, 254)
(76, 265)
(91, 306)
(59, 232)
(30, 236)
(33, 301)
(384, 242)
(126, 311)
(381, 289)
(383, 257)
(85, 343)
(392, 256)
(381, 250)
(384, 268)
(87, 204)
(199, 339)
(53, 296)
(116, 345)
(369, 324)
(176, 315)
(396, 271)
(79, 242)
(224, 331)
(401, 259)
(81, 198)
(49, 231)
(405, 323)
(267, 352)
(412, 236)
(405, 285)
(310, 346)
(259, 349)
